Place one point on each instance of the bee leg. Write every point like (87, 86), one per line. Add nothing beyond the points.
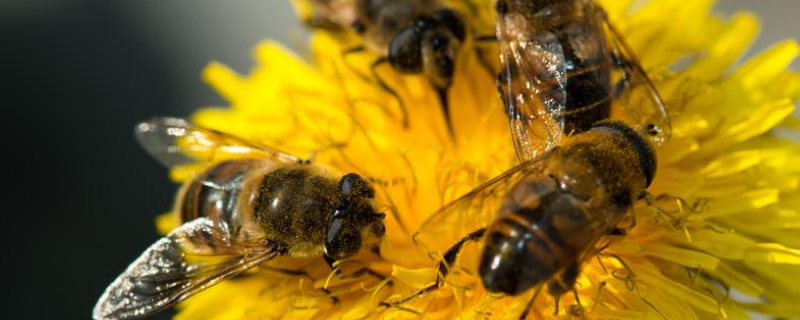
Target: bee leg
(330, 261)
(485, 64)
(444, 268)
(441, 92)
(481, 54)
(354, 50)
(564, 282)
(369, 271)
(290, 272)
(528, 306)
(577, 310)
(374, 69)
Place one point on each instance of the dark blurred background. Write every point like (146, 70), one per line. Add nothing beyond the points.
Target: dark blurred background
(76, 76)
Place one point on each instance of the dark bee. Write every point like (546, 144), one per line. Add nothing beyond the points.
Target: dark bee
(413, 36)
(581, 171)
(563, 65)
(238, 214)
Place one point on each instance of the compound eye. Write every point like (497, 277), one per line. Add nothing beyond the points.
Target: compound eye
(405, 53)
(379, 229)
(353, 185)
(451, 21)
(341, 241)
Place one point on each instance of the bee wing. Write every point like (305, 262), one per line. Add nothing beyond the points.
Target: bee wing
(473, 210)
(637, 95)
(176, 141)
(195, 256)
(532, 83)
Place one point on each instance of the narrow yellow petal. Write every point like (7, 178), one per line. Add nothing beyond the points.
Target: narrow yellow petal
(224, 80)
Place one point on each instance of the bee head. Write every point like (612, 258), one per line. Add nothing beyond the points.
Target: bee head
(429, 45)
(354, 220)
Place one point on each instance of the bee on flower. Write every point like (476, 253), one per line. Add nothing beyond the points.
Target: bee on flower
(732, 254)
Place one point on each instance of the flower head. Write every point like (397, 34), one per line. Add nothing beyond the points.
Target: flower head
(722, 237)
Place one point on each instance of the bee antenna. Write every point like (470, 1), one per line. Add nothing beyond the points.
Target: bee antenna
(379, 215)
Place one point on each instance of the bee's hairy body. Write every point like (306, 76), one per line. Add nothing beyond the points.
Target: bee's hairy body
(293, 204)
(238, 214)
(550, 220)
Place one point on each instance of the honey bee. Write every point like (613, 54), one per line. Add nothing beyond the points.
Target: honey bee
(556, 210)
(563, 64)
(413, 36)
(581, 171)
(238, 214)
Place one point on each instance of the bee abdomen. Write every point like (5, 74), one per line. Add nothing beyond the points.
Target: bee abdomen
(531, 242)
(516, 256)
(215, 193)
(588, 88)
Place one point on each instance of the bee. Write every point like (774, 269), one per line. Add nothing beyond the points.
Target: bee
(556, 209)
(413, 36)
(238, 214)
(581, 171)
(563, 65)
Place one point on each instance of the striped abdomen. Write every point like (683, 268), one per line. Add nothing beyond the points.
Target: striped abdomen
(552, 218)
(215, 193)
(537, 234)
(568, 57)
(588, 70)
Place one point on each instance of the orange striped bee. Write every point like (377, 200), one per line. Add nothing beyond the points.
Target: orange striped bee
(238, 214)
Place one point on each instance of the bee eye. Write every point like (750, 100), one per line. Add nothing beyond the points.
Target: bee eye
(405, 52)
(342, 240)
(353, 185)
(379, 229)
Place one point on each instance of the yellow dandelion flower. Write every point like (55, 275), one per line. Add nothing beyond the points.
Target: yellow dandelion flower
(724, 242)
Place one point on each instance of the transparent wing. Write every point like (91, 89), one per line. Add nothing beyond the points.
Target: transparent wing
(175, 142)
(636, 94)
(197, 255)
(473, 210)
(593, 227)
(532, 83)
